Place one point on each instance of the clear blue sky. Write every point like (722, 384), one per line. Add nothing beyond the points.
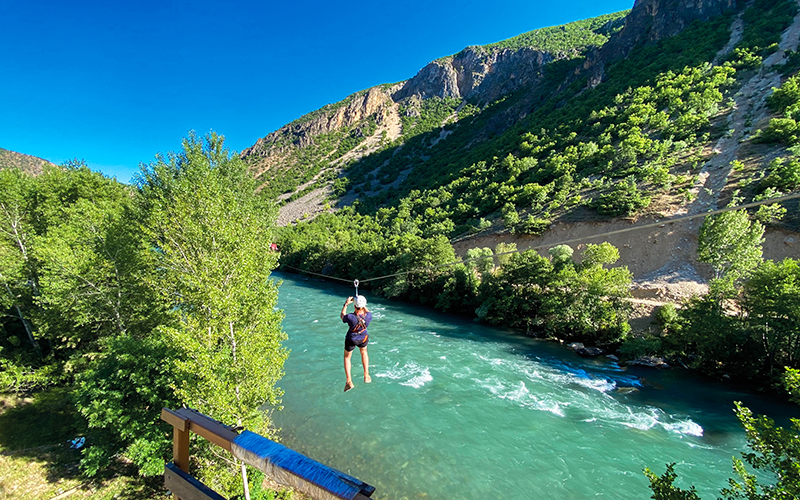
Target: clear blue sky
(114, 83)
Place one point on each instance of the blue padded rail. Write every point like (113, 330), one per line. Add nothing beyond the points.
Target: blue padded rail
(277, 460)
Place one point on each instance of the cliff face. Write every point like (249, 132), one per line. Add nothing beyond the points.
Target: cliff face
(480, 75)
(650, 21)
(373, 103)
(475, 73)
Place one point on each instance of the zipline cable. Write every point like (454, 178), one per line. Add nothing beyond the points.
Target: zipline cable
(660, 223)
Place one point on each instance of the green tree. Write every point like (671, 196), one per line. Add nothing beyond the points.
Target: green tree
(120, 394)
(771, 301)
(93, 270)
(664, 488)
(503, 252)
(17, 276)
(480, 259)
(623, 199)
(775, 450)
(731, 243)
(211, 234)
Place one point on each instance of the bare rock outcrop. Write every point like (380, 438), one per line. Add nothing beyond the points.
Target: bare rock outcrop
(650, 21)
(476, 72)
(373, 103)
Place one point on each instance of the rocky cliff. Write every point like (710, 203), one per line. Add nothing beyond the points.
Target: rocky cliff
(371, 104)
(648, 22)
(370, 120)
(478, 74)
(475, 74)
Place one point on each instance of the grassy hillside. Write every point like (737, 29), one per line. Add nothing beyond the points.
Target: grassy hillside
(572, 37)
(26, 163)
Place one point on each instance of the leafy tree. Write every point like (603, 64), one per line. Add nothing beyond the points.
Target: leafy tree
(481, 259)
(92, 270)
(776, 450)
(587, 300)
(17, 276)
(784, 175)
(731, 244)
(663, 486)
(624, 199)
(211, 234)
(120, 394)
(771, 299)
(504, 248)
(561, 255)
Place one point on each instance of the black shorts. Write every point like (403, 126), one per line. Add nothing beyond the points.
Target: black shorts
(349, 343)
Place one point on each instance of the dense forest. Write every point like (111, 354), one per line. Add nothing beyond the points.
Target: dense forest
(135, 298)
(97, 276)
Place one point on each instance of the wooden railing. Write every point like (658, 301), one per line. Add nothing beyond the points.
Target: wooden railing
(283, 465)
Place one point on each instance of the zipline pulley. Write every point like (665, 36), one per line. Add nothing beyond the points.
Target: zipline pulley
(355, 284)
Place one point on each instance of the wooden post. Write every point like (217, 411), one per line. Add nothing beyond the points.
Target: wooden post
(180, 437)
(180, 448)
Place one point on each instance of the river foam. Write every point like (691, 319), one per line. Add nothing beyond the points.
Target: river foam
(459, 410)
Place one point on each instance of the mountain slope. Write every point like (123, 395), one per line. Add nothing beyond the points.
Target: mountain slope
(665, 129)
(311, 151)
(26, 163)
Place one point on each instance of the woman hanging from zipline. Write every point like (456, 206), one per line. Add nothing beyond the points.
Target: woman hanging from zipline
(357, 336)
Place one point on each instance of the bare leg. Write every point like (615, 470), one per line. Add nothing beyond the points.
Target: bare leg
(365, 362)
(349, 384)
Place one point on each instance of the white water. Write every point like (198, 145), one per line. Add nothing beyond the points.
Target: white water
(459, 410)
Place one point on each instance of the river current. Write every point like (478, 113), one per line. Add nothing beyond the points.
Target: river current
(459, 410)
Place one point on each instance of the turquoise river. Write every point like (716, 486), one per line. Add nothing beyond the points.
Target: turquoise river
(459, 410)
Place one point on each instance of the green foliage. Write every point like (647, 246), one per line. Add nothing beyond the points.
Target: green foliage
(713, 341)
(771, 213)
(481, 259)
(510, 216)
(211, 235)
(786, 96)
(771, 299)
(120, 393)
(128, 289)
(635, 347)
(776, 450)
(731, 244)
(560, 298)
(576, 36)
(764, 22)
(775, 453)
(785, 100)
(784, 175)
(754, 345)
(503, 252)
(667, 315)
(791, 380)
(663, 486)
(623, 199)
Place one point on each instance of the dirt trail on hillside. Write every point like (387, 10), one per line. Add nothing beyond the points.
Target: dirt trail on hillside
(664, 261)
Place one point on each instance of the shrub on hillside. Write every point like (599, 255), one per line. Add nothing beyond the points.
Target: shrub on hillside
(623, 199)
